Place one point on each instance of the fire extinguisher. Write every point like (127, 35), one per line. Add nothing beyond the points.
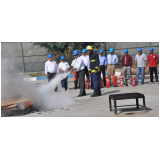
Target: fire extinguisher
(133, 81)
(121, 81)
(107, 81)
(101, 83)
(115, 81)
(87, 84)
(75, 75)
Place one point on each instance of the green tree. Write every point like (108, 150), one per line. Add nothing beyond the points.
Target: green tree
(65, 48)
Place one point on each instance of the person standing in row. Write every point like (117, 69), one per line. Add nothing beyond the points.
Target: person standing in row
(76, 84)
(94, 70)
(153, 60)
(127, 65)
(112, 60)
(80, 68)
(64, 67)
(86, 62)
(51, 69)
(141, 63)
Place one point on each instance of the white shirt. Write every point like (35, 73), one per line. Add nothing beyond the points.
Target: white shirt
(63, 65)
(79, 64)
(86, 61)
(51, 67)
(73, 62)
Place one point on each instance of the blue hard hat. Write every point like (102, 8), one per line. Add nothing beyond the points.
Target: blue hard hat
(49, 56)
(151, 49)
(101, 51)
(139, 50)
(126, 51)
(83, 51)
(111, 50)
(75, 52)
(62, 57)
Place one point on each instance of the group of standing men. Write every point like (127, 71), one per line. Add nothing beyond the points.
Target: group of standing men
(94, 64)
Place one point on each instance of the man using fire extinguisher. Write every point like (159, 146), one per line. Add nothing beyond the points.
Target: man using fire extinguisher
(94, 70)
(102, 65)
(126, 65)
(80, 68)
(153, 60)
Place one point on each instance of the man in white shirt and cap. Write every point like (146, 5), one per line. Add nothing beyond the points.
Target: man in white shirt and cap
(51, 69)
(64, 67)
(80, 68)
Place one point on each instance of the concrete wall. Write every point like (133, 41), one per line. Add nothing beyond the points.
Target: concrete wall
(36, 63)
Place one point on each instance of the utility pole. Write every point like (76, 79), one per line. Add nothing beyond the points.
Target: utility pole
(22, 58)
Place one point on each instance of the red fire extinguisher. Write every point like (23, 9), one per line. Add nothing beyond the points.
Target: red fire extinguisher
(121, 81)
(75, 75)
(115, 81)
(107, 81)
(133, 81)
(101, 83)
(87, 84)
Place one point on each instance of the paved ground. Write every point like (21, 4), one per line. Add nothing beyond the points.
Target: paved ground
(99, 106)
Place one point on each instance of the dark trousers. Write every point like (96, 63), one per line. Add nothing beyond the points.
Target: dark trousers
(153, 69)
(82, 81)
(76, 82)
(86, 72)
(91, 80)
(96, 77)
(102, 70)
(50, 77)
(64, 83)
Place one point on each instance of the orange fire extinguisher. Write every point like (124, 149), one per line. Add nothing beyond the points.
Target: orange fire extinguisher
(87, 83)
(107, 81)
(75, 75)
(121, 81)
(133, 81)
(115, 81)
(101, 83)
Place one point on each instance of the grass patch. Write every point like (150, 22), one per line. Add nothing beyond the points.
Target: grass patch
(37, 74)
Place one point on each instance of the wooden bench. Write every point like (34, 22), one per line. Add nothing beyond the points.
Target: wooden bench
(135, 95)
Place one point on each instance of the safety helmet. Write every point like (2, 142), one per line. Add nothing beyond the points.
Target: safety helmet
(111, 50)
(151, 49)
(126, 51)
(75, 52)
(139, 50)
(83, 51)
(62, 57)
(89, 48)
(101, 51)
(49, 56)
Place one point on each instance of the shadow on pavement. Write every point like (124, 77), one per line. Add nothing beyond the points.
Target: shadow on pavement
(115, 91)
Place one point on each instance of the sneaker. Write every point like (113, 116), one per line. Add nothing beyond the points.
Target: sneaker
(157, 82)
(151, 82)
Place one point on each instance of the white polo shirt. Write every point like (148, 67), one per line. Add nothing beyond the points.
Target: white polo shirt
(63, 65)
(51, 67)
(78, 63)
(86, 61)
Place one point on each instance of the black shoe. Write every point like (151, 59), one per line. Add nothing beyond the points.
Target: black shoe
(99, 93)
(95, 94)
(142, 83)
(75, 88)
(56, 89)
(92, 88)
(65, 89)
(80, 95)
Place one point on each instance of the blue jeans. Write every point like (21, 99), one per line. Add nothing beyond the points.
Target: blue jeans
(96, 77)
(142, 70)
(64, 83)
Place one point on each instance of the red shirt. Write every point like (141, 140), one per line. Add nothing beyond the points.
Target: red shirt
(152, 60)
(126, 61)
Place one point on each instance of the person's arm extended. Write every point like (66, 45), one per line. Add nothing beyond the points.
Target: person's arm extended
(135, 64)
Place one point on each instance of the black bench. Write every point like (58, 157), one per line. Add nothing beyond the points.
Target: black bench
(126, 96)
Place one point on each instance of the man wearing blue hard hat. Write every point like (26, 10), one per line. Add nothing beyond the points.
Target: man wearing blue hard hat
(153, 60)
(51, 69)
(64, 67)
(102, 65)
(79, 66)
(112, 60)
(126, 65)
(141, 65)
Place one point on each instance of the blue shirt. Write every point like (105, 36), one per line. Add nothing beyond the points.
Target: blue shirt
(112, 59)
(102, 60)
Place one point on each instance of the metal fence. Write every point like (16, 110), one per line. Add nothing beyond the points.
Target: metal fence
(35, 63)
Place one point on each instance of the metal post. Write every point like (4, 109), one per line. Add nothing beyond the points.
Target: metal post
(22, 58)
(150, 44)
